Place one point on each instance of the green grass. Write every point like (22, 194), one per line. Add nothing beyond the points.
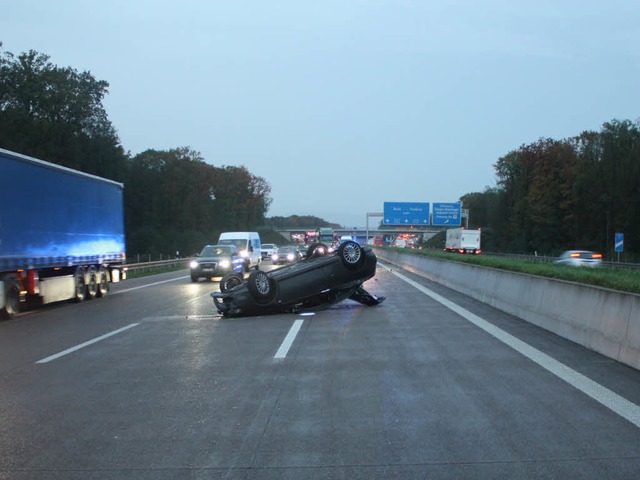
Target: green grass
(616, 279)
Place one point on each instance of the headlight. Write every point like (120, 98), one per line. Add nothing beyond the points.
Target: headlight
(290, 257)
(274, 257)
(225, 264)
(194, 264)
(244, 254)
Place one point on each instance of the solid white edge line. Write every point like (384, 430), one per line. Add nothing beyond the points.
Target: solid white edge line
(614, 402)
(86, 344)
(288, 340)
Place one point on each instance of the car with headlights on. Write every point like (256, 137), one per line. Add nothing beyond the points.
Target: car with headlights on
(580, 258)
(286, 254)
(268, 249)
(216, 261)
(321, 279)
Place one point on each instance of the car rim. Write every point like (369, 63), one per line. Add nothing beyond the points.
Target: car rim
(352, 253)
(262, 284)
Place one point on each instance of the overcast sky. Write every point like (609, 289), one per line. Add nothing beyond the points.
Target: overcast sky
(342, 105)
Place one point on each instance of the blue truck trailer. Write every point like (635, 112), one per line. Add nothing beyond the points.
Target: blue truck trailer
(61, 233)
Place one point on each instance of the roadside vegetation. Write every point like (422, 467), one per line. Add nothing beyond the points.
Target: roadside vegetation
(613, 278)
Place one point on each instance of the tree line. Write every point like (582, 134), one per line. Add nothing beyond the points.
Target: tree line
(551, 195)
(174, 200)
(555, 195)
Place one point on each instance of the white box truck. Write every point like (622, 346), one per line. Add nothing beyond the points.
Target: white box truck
(463, 240)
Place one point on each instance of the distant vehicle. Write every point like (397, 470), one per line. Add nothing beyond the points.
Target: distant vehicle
(216, 261)
(399, 243)
(325, 235)
(580, 258)
(268, 249)
(463, 240)
(302, 248)
(287, 254)
(248, 245)
(316, 282)
(61, 234)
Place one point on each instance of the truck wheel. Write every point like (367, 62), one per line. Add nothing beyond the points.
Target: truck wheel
(261, 286)
(103, 281)
(12, 300)
(92, 282)
(351, 255)
(230, 281)
(80, 285)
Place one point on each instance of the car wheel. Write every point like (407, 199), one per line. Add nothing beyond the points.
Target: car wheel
(261, 286)
(351, 255)
(317, 250)
(194, 278)
(230, 281)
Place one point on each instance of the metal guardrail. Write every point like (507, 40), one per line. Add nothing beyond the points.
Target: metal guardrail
(157, 265)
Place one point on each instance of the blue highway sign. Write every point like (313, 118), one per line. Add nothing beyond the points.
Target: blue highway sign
(447, 214)
(406, 213)
(619, 243)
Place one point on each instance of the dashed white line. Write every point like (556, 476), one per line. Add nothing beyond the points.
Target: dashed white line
(599, 393)
(86, 344)
(288, 340)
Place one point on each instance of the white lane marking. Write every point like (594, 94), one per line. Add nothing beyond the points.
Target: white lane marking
(288, 340)
(148, 285)
(86, 344)
(603, 395)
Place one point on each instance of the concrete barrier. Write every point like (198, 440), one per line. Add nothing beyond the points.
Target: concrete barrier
(603, 320)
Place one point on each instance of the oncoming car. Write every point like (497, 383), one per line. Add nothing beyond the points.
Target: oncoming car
(268, 249)
(216, 261)
(286, 254)
(580, 258)
(318, 281)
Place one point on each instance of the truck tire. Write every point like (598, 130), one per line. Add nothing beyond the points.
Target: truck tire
(103, 281)
(80, 285)
(12, 300)
(92, 283)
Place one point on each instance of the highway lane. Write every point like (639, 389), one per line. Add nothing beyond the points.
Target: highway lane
(407, 389)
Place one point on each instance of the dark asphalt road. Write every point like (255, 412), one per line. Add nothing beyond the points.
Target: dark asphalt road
(409, 389)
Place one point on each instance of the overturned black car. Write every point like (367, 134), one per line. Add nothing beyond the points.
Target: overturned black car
(318, 281)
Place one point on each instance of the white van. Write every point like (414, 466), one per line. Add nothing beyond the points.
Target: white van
(247, 243)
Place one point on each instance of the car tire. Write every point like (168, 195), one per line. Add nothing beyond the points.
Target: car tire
(352, 255)
(261, 286)
(195, 278)
(230, 281)
(315, 250)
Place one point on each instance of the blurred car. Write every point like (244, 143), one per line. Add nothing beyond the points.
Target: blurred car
(268, 249)
(216, 261)
(318, 281)
(303, 250)
(286, 254)
(580, 258)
